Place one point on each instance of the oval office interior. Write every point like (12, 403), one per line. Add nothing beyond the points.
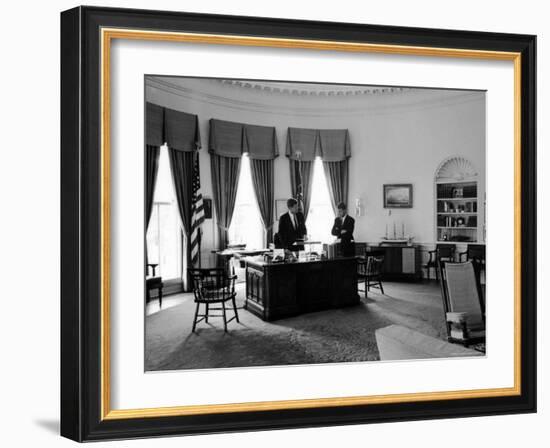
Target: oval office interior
(295, 223)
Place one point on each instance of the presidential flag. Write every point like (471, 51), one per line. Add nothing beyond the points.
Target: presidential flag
(299, 187)
(197, 216)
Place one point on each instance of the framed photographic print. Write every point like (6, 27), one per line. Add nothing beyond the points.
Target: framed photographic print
(398, 196)
(173, 323)
(207, 208)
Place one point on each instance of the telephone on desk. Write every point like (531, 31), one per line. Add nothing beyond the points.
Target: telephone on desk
(278, 256)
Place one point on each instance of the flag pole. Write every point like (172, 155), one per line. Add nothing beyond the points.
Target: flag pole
(300, 188)
(199, 236)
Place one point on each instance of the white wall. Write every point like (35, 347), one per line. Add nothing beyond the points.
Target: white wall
(407, 146)
(396, 137)
(30, 247)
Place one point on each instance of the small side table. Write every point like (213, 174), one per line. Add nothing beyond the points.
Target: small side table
(152, 283)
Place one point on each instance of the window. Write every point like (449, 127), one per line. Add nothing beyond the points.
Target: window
(246, 225)
(321, 215)
(164, 235)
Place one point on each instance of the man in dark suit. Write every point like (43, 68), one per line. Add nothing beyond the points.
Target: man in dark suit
(292, 227)
(343, 229)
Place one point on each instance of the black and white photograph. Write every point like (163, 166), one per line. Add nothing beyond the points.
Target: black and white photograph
(347, 223)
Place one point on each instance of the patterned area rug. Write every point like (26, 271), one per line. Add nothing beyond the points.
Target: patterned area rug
(342, 335)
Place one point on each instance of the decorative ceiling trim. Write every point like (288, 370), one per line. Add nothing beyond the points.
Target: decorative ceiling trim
(339, 108)
(300, 89)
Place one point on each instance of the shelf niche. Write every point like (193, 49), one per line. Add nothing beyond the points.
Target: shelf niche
(456, 201)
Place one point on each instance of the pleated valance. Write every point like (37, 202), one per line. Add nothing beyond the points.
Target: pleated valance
(260, 142)
(335, 145)
(231, 139)
(181, 130)
(226, 138)
(332, 145)
(302, 144)
(154, 125)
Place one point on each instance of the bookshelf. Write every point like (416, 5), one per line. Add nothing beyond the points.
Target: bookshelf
(457, 212)
(457, 203)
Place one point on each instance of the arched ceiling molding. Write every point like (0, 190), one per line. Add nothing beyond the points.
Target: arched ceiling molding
(455, 169)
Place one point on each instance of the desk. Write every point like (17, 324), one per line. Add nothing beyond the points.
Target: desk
(277, 290)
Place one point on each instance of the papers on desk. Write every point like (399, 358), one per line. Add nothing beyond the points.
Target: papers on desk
(306, 243)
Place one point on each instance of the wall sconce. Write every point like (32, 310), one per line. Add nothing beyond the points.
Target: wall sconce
(358, 207)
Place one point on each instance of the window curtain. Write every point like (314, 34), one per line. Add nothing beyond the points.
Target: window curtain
(181, 165)
(225, 178)
(226, 148)
(154, 131)
(264, 187)
(183, 140)
(302, 146)
(335, 151)
(261, 145)
(336, 174)
(151, 170)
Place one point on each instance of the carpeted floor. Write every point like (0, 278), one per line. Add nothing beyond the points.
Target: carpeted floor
(343, 335)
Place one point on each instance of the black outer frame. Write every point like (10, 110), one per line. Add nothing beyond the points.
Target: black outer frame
(80, 223)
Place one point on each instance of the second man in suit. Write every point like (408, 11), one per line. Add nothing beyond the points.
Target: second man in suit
(343, 229)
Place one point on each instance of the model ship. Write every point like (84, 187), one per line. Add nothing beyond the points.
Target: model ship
(396, 238)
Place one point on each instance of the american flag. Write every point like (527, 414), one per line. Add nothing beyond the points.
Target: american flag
(197, 217)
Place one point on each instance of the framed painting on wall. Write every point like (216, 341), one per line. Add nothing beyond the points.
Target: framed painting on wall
(109, 142)
(398, 196)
